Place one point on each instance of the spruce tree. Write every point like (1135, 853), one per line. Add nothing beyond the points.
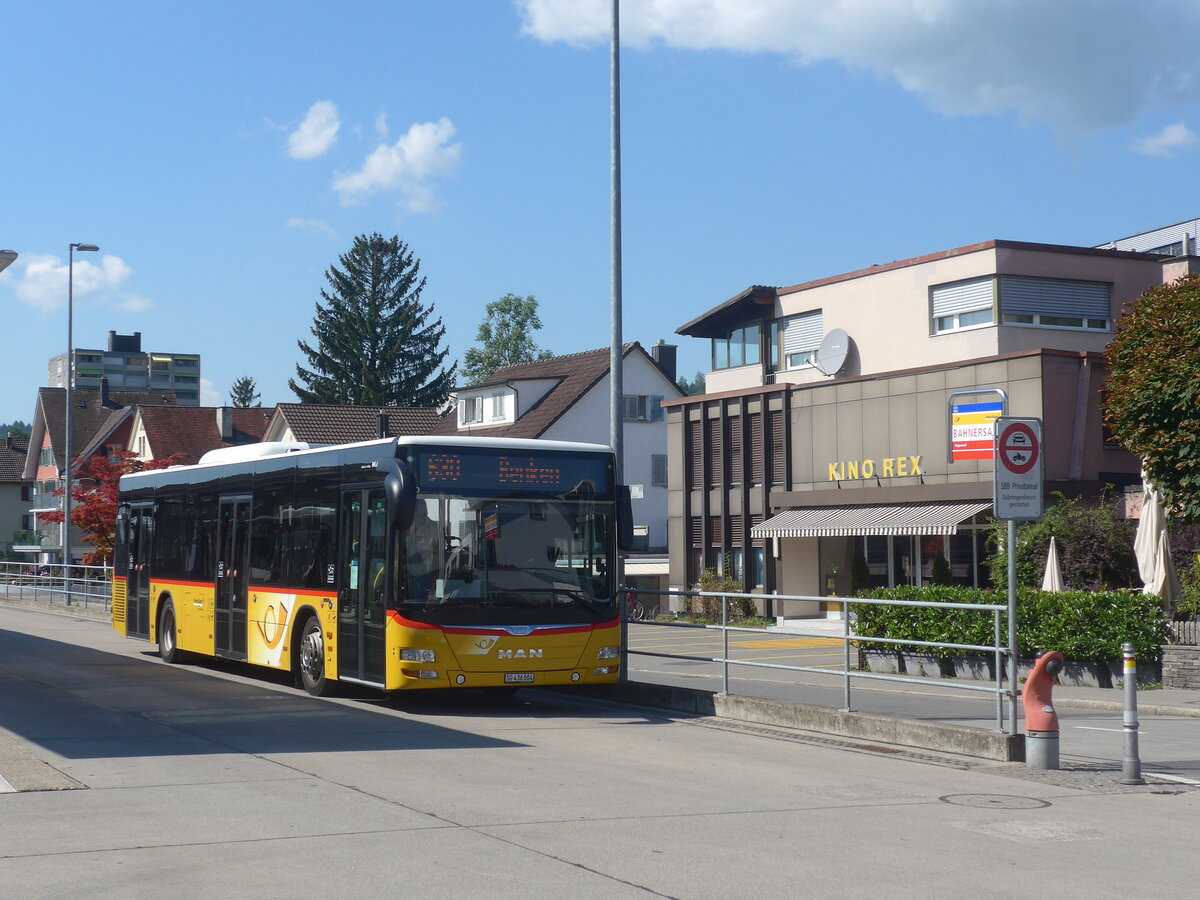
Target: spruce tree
(376, 343)
(244, 393)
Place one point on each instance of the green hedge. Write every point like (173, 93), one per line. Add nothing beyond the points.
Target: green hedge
(1084, 626)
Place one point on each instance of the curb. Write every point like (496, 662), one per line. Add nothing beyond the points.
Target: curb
(917, 734)
(91, 613)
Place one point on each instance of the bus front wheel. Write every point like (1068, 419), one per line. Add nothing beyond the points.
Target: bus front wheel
(168, 636)
(312, 660)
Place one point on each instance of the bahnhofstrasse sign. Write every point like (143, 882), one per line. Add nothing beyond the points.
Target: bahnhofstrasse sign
(889, 467)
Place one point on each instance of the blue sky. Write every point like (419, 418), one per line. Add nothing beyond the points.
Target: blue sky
(224, 154)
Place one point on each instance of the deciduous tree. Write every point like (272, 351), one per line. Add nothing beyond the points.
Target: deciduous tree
(377, 344)
(1153, 391)
(505, 338)
(95, 491)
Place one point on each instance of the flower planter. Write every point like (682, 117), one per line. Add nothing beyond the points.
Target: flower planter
(980, 668)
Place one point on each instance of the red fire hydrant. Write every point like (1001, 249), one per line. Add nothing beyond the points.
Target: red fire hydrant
(1041, 721)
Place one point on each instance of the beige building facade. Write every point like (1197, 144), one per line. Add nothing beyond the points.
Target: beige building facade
(825, 431)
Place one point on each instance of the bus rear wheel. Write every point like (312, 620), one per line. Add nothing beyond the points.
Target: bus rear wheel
(312, 660)
(168, 636)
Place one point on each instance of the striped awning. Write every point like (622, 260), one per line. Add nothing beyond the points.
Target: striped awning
(850, 521)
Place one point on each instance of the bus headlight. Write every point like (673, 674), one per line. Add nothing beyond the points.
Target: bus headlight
(604, 670)
(418, 656)
(608, 653)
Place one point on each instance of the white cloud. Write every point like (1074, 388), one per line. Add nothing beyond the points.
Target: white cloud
(406, 166)
(208, 394)
(317, 133)
(381, 125)
(1077, 65)
(1171, 140)
(41, 279)
(134, 303)
(316, 225)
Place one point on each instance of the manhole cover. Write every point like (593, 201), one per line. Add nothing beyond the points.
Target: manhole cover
(994, 801)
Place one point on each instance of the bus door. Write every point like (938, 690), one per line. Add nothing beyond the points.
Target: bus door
(364, 584)
(232, 577)
(137, 585)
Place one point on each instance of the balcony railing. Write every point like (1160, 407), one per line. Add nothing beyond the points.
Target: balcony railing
(27, 538)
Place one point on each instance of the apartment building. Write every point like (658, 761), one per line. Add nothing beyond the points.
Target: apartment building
(128, 368)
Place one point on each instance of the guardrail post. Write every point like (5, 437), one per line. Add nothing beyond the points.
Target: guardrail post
(998, 671)
(846, 646)
(725, 643)
(1131, 764)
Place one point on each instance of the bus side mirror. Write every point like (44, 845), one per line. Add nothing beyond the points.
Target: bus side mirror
(624, 518)
(400, 488)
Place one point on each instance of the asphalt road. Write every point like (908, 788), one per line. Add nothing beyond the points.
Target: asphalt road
(215, 780)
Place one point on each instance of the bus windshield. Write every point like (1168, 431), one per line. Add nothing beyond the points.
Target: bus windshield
(525, 560)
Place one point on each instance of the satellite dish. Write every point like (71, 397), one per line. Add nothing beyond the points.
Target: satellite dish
(831, 355)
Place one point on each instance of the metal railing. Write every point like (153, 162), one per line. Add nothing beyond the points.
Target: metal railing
(57, 584)
(850, 641)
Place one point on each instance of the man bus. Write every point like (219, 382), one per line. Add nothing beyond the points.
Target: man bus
(398, 563)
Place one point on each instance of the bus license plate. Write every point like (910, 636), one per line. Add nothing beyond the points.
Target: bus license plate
(518, 678)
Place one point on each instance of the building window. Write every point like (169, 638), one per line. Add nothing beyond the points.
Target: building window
(963, 304)
(498, 407)
(738, 348)
(1050, 303)
(658, 469)
(47, 457)
(641, 408)
(470, 410)
(799, 338)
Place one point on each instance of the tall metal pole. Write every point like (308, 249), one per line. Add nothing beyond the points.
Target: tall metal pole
(1012, 627)
(66, 532)
(615, 371)
(616, 380)
(66, 527)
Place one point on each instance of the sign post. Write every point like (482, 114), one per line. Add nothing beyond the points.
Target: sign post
(1016, 495)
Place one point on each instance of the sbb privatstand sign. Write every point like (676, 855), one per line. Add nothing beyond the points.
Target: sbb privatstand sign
(1017, 492)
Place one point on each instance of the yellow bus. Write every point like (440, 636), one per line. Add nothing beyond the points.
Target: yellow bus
(447, 562)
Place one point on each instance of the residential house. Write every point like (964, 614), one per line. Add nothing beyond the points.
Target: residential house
(16, 496)
(827, 433)
(100, 422)
(158, 432)
(317, 424)
(566, 398)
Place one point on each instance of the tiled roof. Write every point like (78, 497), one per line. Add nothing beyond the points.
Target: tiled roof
(316, 423)
(89, 416)
(12, 462)
(193, 430)
(578, 373)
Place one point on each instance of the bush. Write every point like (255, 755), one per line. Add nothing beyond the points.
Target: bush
(1084, 626)
(1095, 546)
(710, 607)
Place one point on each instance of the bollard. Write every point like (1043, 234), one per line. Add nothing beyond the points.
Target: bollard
(1041, 721)
(1131, 765)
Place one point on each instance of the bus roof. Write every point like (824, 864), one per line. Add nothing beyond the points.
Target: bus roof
(252, 459)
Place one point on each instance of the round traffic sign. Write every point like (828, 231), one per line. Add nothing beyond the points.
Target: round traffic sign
(1018, 448)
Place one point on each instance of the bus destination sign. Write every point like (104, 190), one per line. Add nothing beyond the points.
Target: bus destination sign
(464, 469)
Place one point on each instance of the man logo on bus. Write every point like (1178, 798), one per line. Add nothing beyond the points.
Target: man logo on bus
(520, 654)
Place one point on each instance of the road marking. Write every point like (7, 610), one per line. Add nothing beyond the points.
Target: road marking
(793, 644)
(1094, 728)
(5, 787)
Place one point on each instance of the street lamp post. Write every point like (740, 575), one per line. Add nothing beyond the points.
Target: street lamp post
(66, 532)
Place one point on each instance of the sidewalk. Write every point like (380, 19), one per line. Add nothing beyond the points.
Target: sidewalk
(1160, 701)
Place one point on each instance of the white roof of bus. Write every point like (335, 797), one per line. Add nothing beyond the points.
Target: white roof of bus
(432, 440)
